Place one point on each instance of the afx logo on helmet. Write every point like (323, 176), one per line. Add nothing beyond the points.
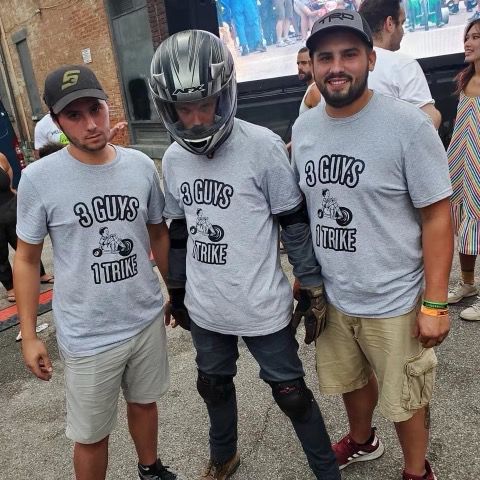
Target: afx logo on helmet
(199, 88)
(189, 67)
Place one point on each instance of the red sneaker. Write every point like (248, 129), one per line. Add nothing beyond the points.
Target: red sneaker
(429, 475)
(348, 451)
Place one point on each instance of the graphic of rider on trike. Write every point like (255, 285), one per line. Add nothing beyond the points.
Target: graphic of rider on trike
(110, 243)
(331, 209)
(202, 225)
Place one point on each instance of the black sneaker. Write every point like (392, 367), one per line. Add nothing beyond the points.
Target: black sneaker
(161, 472)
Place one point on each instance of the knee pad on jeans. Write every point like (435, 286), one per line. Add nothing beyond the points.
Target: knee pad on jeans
(215, 389)
(294, 399)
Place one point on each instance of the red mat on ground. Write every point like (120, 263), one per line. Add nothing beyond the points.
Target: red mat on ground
(8, 312)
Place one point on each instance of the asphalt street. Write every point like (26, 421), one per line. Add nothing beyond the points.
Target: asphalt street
(33, 444)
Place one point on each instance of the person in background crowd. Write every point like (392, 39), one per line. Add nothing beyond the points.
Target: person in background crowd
(375, 178)
(283, 10)
(464, 157)
(47, 131)
(265, 8)
(247, 26)
(312, 95)
(396, 74)
(8, 221)
(307, 17)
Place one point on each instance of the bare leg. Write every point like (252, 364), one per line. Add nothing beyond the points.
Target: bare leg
(413, 436)
(90, 461)
(360, 405)
(467, 265)
(279, 29)
(143, 426)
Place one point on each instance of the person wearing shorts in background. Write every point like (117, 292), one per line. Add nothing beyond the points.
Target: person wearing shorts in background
(284, 12)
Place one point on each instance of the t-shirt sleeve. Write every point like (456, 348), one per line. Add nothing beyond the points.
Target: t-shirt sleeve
(40, 138)
(156, 201)
(413, 86)
(173, 208)
(278, 182)
(426, 167)
(31, 213)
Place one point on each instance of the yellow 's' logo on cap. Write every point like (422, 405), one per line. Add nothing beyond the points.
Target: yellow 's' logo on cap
(70, 78)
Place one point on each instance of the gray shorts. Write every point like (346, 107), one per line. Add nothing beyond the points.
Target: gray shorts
(92, 384)
(283, 9)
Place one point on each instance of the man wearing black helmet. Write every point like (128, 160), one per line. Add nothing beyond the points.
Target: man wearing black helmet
(377, 189)
(228, 186)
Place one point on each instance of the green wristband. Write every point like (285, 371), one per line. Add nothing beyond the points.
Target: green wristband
(436, 305)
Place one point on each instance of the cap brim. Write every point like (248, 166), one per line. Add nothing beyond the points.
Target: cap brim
(313, 38)
(86, 93)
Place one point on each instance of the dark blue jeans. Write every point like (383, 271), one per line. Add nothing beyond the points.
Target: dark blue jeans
(277, 356)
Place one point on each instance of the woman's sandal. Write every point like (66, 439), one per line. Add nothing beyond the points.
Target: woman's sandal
(49, 280)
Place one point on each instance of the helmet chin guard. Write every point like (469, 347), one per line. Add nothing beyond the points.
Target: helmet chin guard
(189, 67)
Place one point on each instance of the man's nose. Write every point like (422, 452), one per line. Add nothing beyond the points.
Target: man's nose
(91, 124)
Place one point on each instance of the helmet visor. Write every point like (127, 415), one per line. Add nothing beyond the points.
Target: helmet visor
(196, 121)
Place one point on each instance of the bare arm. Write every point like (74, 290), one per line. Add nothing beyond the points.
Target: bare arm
(5, 165)
(437, 243)
(160, 245)
(313, 97)
(434, 114)
(27, 289)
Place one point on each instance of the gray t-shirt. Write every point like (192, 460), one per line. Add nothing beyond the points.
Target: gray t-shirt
(364, 178)
(235, 284)
(96, 215)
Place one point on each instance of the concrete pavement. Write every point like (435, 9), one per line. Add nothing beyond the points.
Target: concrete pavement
(33, 444)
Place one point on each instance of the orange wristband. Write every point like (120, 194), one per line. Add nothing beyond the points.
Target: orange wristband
(434, 312)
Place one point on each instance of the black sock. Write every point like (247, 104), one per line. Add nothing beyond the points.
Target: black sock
(370, 440)
(148, 468)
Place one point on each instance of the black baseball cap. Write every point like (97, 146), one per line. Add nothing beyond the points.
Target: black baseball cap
(340, 19)
(69, 83)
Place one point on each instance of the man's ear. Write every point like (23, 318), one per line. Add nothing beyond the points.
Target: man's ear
(389, 24)
(372, 59)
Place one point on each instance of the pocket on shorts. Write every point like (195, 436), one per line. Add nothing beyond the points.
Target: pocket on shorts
(418, 380)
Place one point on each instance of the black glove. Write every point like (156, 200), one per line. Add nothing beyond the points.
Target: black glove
(312, 308)
(176, 308)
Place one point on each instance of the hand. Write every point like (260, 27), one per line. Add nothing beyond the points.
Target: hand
(176, 308)
(296, 289)
(431, 331)
(36, 358)
(115, 129)
(312, 308)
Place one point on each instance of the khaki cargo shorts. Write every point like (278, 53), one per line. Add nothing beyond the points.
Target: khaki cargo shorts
(139, 366)
(351, 349)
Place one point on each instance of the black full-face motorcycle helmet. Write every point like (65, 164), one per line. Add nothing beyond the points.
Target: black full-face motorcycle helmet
(191, 66)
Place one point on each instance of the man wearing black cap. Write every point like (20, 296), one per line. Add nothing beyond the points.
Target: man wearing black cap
(383, 236)
(103, 209)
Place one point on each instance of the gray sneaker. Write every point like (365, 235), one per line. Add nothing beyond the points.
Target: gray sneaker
(462, 290)
(472, 313)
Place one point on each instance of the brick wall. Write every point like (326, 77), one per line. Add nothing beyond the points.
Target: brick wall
(56, 36)
(158, 21)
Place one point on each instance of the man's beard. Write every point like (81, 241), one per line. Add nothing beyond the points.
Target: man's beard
(306, 76)
(86, 148)
(340, 99)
